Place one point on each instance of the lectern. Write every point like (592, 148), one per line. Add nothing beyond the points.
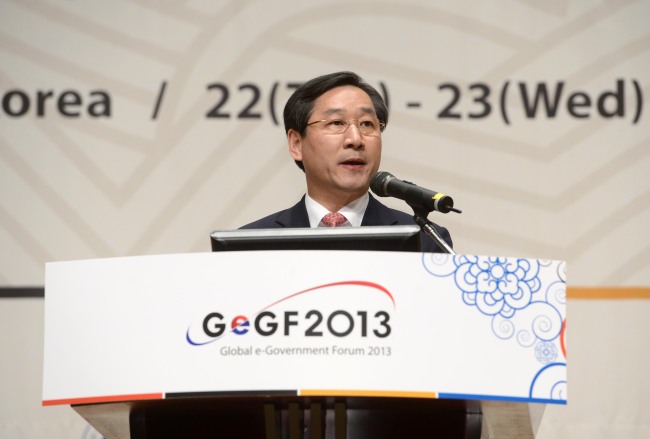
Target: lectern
(267, 344)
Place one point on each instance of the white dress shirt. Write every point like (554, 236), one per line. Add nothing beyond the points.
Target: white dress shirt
(353, 211)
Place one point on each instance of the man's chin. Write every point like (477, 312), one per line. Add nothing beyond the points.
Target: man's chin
(359, 187)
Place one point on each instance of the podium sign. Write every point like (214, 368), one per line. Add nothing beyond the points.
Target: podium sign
(305, 323)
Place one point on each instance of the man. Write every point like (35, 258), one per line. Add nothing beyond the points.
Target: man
(334, 124)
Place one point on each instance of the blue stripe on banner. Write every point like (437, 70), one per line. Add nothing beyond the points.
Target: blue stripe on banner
(499, 398)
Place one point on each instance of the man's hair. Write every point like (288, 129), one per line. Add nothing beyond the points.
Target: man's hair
(300, 105)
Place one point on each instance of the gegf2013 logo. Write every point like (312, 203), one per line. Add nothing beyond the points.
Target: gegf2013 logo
(342, 320)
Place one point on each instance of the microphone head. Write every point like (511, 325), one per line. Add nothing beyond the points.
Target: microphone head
(379, 181)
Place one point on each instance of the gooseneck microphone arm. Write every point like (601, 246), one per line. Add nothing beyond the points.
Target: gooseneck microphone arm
(426, 226)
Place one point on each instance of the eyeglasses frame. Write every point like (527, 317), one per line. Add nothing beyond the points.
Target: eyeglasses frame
(382, 126)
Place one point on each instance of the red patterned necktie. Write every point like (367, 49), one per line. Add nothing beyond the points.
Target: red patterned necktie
(334, 219)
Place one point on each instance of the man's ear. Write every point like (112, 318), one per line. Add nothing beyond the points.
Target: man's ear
(295, 144)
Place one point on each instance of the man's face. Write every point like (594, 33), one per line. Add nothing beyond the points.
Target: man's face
(338, 167)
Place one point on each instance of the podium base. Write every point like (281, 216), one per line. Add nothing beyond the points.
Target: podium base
(289, 417)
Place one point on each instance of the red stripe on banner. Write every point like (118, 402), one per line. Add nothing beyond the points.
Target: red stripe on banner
(98, 399)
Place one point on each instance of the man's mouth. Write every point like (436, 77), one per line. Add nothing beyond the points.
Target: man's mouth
(353, 162)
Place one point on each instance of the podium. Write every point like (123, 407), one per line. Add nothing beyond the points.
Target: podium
(270, 345)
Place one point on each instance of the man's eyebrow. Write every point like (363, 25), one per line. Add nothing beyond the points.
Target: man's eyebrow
(331, 111)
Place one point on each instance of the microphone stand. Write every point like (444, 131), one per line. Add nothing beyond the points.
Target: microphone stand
(426, 226)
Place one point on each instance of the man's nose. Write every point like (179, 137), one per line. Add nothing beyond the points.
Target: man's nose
(353, 137)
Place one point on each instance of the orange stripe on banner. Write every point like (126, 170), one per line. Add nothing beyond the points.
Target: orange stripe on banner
(375, 393)
(608, 293)
(98, 399)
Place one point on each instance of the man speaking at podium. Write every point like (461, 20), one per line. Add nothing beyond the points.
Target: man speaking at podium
(334, 124)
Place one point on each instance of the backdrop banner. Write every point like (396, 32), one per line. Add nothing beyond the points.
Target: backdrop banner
(136, 127)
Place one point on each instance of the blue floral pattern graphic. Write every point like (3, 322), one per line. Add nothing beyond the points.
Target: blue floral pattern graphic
(509, 290)
(545, 352)
(523, 300)
(497, 285)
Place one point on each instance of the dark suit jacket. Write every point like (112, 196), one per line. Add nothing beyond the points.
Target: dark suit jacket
(376, 215)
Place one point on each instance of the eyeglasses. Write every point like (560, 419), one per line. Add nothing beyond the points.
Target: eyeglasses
(339, 126)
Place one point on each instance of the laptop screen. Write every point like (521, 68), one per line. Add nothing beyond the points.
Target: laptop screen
(377, 238)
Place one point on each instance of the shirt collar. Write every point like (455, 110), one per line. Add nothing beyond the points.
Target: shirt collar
(353, 211)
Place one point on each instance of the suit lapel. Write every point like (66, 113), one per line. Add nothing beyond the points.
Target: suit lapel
(295, 216)
(378, 215)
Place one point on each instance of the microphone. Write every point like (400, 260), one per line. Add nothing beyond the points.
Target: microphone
(385, 184)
